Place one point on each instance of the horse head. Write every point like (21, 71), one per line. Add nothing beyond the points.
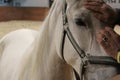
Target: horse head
(83, 27)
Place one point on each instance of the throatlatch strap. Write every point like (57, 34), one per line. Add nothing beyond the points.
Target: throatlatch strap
(62, 46)
(65, 21)
(76, 75)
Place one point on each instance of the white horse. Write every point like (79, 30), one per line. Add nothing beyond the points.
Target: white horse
(38, 55)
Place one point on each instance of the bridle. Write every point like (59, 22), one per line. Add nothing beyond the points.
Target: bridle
(85, 59)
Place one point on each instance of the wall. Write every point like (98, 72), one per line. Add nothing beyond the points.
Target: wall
(33, 3)
(42, 3)
(27, 3)
(23, 13)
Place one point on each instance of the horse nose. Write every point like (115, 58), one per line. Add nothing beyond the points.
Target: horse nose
(80, 22)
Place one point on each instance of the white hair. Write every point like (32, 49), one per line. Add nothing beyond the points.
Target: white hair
(41, 47)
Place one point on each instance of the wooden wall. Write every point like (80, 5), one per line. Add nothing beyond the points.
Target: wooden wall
(23, 13)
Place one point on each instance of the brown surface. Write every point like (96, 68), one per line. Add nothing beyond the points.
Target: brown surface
(117, 77)
(8, 26)
(23, 13)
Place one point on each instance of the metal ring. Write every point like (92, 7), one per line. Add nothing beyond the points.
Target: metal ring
(104, 39)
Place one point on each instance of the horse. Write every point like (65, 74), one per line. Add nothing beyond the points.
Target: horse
(60, 50)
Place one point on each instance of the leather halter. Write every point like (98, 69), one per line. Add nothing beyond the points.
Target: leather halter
(86, 59)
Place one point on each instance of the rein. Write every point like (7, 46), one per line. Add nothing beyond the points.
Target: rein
(86, 59)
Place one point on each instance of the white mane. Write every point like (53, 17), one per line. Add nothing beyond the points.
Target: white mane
(41, 48)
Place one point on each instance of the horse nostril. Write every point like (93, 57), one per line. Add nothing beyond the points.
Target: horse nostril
(80, 22)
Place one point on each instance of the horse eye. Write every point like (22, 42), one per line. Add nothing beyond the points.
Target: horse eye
(80, 22)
